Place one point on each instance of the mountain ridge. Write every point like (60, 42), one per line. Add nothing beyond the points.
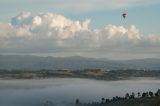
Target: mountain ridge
(31, 62)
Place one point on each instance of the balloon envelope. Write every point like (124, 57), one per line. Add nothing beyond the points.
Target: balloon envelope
(124, 15)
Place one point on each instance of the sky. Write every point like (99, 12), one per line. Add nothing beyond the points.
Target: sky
(90, 28)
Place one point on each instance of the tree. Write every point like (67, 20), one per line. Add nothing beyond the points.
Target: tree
(77, 101)
(143, 94)
(103, 100)
(139, 94)
(117, 98)
(127, 96)
(147, 94)
(107, 100)
(158, 92)
(133, 95)
(150, 93)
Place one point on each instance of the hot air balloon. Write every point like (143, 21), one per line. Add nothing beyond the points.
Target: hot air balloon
(124, 15)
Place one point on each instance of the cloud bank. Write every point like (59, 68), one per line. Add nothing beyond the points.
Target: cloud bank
(54, 33)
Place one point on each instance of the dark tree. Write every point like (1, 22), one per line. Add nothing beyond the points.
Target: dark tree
(158, 92)
(139, 94)
(117, 98)
(132, 95)
(147, 94)
(143, 94)
(150, 93)
(77, 101)
(114, 99)
(127, 96)
(107, 100)
(102, 100)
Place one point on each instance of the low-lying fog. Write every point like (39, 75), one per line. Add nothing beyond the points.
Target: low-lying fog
(65, 90)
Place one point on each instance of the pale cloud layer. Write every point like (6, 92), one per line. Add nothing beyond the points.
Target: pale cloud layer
(77, 6)
(96, 5)
(53, 33)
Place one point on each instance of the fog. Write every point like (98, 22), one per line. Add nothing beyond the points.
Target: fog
(62, 91)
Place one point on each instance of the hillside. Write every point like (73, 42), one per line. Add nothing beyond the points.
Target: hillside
(28, 62)
(150, 101)
(141, 99)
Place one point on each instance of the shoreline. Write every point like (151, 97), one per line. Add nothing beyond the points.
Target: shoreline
(87, 74)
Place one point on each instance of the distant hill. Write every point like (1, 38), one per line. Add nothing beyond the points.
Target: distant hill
(28, 62)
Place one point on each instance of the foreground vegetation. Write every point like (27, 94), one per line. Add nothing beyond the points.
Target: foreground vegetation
(148, 101)
(144, 99)
(134, 99)
(88, 73)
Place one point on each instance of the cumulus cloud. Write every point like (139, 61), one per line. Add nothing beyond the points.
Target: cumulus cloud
(54, 33)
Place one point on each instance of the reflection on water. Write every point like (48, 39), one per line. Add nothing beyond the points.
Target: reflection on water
(65, 90)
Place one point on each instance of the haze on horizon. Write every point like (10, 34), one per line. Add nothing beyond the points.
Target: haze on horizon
(89, 28)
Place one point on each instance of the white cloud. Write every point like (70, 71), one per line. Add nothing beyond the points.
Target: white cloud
(53, 33)
(37, 20)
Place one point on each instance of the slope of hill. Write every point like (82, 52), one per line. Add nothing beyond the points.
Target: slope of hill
(148, 101)
(152, 101)
(28, 62)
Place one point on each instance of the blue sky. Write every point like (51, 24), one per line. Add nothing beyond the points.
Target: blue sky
(143, 13)
(90, 28)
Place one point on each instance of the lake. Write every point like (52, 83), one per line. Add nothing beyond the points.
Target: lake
(61, 91)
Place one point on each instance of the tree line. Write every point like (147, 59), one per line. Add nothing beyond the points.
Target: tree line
(117, 98)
